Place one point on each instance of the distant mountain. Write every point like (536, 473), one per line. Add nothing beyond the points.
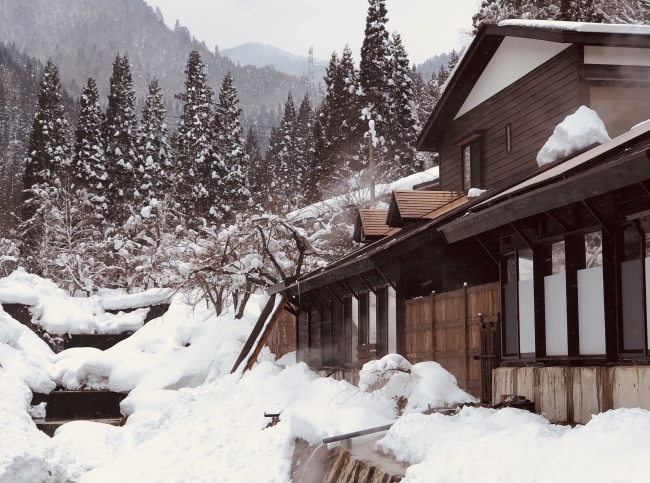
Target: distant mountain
(83, 37)
(432, 65)
(262, 55)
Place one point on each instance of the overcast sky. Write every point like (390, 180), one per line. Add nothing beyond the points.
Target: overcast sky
(428, 27)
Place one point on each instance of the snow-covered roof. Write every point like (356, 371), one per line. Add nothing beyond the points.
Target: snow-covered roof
(338, 203)
(583, 27)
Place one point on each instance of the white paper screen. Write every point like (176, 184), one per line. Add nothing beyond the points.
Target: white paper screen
(372, 318)
(392, 321)
(557, 343)
(527, 317)
(355, 328)
(591, 309)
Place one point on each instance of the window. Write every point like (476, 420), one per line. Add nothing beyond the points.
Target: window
(632, 297)
(508, 138)
(472, 165)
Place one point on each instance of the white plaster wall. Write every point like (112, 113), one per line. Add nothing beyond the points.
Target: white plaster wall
(514, 58)
(616, 55)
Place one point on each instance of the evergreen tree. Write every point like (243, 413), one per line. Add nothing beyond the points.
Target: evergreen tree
(258, 176)
(401, 160)
(314, 188)
(227, 184)
(48, 152)
(374, 78)
(306, 169)
(273, 198)
(282, 161)
(119, 133)
(153, 168)
(341, 122)
(192, 146)
(89, 163)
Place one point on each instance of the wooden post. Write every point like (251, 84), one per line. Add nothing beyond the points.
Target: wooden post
(466, 327)
(267, 332)
(371, 168)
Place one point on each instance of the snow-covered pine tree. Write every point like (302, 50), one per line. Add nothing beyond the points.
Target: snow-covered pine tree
(119, 133)
(258, 175)
(306, 169)
(315, 182)
(191, 142)
(153, 164)
(227, 185)
(374, 80)
(341, 123)
(401, 160)
(282, 162)
(610, 11)
(272, 200)
(48, 154)
(88, 168)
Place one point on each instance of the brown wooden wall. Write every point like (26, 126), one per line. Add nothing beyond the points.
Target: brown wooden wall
(282, 339)
(446, 328)
(533, 105)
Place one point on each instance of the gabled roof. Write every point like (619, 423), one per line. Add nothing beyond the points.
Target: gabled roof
(371, 226)
(406, 206)
(485, 45)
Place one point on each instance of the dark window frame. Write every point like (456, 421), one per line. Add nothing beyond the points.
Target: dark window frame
(476, 163)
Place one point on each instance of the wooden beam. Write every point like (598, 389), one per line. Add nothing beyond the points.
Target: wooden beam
(365, 282)
(268, 308)
(291, 310)
(557, 220)
(332, 292)
(352, 292)
(326, 304)
(521, 234)
(598, 218)
(298, 304)
(386, 279)
(267, 332)
(645, 187)
(486, 250)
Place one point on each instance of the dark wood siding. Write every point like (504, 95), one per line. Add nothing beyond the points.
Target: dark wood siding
(302, 337)
(314, 339)
(337, 333)
(533, 105)
(326, 335)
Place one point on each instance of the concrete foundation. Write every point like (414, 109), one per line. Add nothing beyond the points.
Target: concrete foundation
(573, 394)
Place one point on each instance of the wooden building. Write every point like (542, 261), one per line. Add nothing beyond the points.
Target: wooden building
(516, 278)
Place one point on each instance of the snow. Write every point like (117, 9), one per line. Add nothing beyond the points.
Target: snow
(475, 192)
(358, 197)
(58, 313)
(578, 131)
(479, 445)
(424, 384)
(189, 419)
(147, 298)
(626, 29)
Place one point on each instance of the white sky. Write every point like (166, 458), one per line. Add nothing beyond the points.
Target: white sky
(428, 27)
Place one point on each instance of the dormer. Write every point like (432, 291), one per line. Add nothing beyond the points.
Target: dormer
(519, 80)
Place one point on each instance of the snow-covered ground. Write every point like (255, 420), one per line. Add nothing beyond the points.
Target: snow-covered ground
(189, 419)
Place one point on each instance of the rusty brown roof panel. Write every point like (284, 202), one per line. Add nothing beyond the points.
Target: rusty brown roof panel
(408, 205)
(373, 224)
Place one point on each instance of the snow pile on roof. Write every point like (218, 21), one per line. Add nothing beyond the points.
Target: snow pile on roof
(422, 384)
(183, 348)
(147, 298)
(578, 26)
(58, 313)
(481, 445)
(577, 132)
(358, 197)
